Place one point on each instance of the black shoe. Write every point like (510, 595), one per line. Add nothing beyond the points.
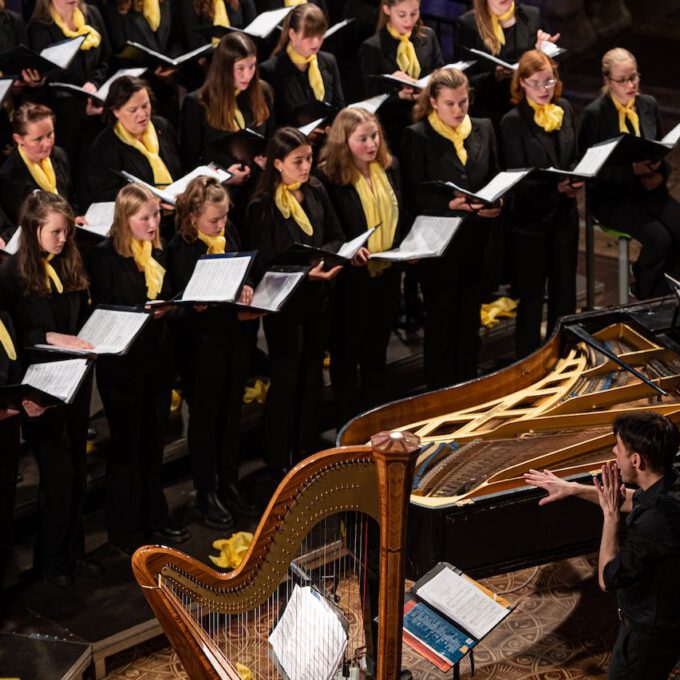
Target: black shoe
(172, 533)
(232, 498)
(212, 512)
(86, 566)
(61, 578)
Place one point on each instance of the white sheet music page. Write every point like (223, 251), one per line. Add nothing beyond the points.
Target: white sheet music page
(12, 245)
(595, 157)
(103, 91)
(178, 187)
(463, 602)
(459, 65)
(337, 27)
(265, 22)
(216, 279)
(670, 139)
(495, 60)
(351, 248)
(99, 218)
(309, 639)
(111, 331)
(274, 288)
(58, 378)
(429, 237)
(372, 104)
(62, 53)
(306, 130)
(5, 85)
(500, 184)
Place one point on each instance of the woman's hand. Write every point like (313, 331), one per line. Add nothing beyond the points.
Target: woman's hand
(66, 341)
(246, 296)
(260, 161)
(32, 78)
(460, 203)
(490, 211)
(361, 257)
(317, 272)
(543, 36)
(642, 168)
(502, 73)
(32, 409)
(165, 75)
(240, 173)
(569, 188)
(80, 220)
(91, 108)
(2, 243)
(7, 413)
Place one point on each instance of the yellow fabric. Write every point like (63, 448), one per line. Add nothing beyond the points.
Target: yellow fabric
(51, 275)
(258, 392)
(294, 3)
(503, 307)
(313, 72)
(221, 18)
(244, 673)
(93, 38)
(232, 550)
(152, 13)
(216, 244)
(6, 342)
(547, 116)
(43, 172)
(239, 120)
(456, 136)
(496, 23)
(289, 207)
(627, 111)
(153, 271)
(149, 148)
(380, 207)
(407, 59)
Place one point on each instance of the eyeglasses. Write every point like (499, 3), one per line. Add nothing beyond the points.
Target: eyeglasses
(546, 85)
(632, 79)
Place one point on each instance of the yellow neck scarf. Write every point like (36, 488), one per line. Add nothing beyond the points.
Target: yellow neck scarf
(43, 172)
(406, 53)
(380, 207)
(152, 14)
(313, 72)
(149, 148)
(93, 38)
(239, 120)
(456, 136)
(6, 342)
(496, 23)
(289, 207)
(153, 272)
(547, 116)
(627, 111)
(221, 18)
(293, 3)
(51, 275)
(216, 244)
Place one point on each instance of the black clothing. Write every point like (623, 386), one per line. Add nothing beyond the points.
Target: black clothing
(267, 5)
(452, 284)
(12, 33)
(192, 23)
(619, 201)
(135, 390)
(543, 222)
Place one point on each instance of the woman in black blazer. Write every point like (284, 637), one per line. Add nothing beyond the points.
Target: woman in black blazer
(212, 354)
(45, 287)
(451, 285)
(129, 269)
(135, 141)
(293, 208)
(402, 46)
(298, 71)
(364, 185)
(540, 132)
(633, 198)
(198, 15)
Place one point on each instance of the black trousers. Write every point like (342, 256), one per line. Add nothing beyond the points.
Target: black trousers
(637, 656)
(364, 309)
(9, 459)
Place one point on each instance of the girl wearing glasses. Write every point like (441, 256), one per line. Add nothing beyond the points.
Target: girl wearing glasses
(540, 132)
(633, 198)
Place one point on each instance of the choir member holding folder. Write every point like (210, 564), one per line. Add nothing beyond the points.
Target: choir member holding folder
(290, 207)
(212, 355)
(446, 144)
(45, 286)
(633, 198)
(540, 132)
(365, 188)
(298, 71)
(129, 269)
(198, 15)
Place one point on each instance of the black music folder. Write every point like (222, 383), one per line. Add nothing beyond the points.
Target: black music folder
(136, 52)
(56, 57)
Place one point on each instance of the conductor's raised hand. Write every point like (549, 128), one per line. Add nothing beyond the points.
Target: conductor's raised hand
(558, 489)
(317, 273)
(611, 492)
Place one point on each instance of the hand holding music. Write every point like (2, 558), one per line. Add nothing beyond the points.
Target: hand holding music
(32, 409)
(502, 73)
(31, 78)
(92, 109)
(558, 489)
(611, 492)
(260, 161)
(460, 202)
(246, 296)
(66, 341)
(165, 75)
(489, 211)
(569, 188)
(7, 413)
(361, 257)
(240, 173)
(544, 36)
(317, 273)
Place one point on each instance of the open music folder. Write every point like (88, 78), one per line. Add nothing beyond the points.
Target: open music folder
(420, 83)
(101, 94)
(491, 192)
(12, 245)
(260, 27)
(99, 218)
(135, 51)
(372, 104)
(55, 57)
(216, 279)
(5, 87)
(275, 289)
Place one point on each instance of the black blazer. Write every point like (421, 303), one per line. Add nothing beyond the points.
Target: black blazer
(291, 86)
(108, 154)
(12, 30)
(10, 371)
(133, 26)
(192, 23)
(16, 182)
(526, 145)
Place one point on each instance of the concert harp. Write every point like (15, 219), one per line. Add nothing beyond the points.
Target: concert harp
(318, 529)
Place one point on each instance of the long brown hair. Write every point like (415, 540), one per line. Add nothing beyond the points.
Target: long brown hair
(192, 201)
(439, 79)
(129, 200)
(383, 19)
(485, 27)
(532, 62)
(124, 6)
(41, 11)
(217, 94)
(308, 18)
(336, 159)
(33, 214)
(206, 8)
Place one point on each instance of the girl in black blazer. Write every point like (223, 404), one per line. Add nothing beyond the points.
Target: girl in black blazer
(129, 269)
(135, 141)
(633, 198)
(46, 290)
(201, 14)
(364, 185)
(404, 47)
(293, 208)
(212, 354)
(298, 71)
(446, 144)
(540, 132)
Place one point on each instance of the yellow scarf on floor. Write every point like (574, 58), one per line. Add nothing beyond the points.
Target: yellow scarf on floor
(288, 206)
(407, 59)
(6, 342)
(93, 38)
(153, 271)
(547, 116)
(496, 23)
(216, 244)
(152, 14)
(313, 72)
(51, 275)
(149, 148)
(627, 111)
(456, 136)
(43, 172)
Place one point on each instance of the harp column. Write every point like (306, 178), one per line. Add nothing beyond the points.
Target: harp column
(395, 456)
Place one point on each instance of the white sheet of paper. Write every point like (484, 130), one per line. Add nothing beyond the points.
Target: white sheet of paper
(5, 85)
(111, 330)
(274, 288)
(306, 130)
(265, 22)
(188, 55)
(495, 60)
(216, 279)
(351, 248)
(309, 639)
(99, 218)
(372, 104)
(337, 27)
(103, 91)
(669, 139)
(58, 378)
(161, 193)
(500, 184)
(551, 49)
(458, 65)
(62, 53)
(12, 245)
(463, 602)
(595, 157)
(178, 187)
(429, 237)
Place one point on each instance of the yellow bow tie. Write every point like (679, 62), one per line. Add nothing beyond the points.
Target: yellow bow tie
(496, 23)
(313, 72)
(153, 271)
(51, 275)
(627, 111)
(547, 116)
(407, 60)
(216, 244)
(456, 136)
(6, 342)
(289, 207)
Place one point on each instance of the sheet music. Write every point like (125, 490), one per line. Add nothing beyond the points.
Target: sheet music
(58, 378)
(306, 130)
(62, 53)
(178, 187)
(5, 85)
(463, 602)
(459, 65)
(495, 60)
(12, 245)
(429, 237)
(103, 91)
(216, 279)
(111, 331)
(274, 288)
(595, 157)
(188, 55)
(337, 27)
(670, 139)
(99, 218)
(309, 639)
(265, 22)
(351, 248)
(372, 104)
(161, 193)
(500, 184)
(551, 49)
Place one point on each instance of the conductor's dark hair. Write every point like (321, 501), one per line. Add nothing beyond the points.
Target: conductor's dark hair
(120, 92)
(281, 143)
(653, 436)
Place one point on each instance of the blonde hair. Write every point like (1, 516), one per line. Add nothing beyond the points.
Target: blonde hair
(192, 202)
(439, 79)
(614, 56)
(485, 27)
(129, 201)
